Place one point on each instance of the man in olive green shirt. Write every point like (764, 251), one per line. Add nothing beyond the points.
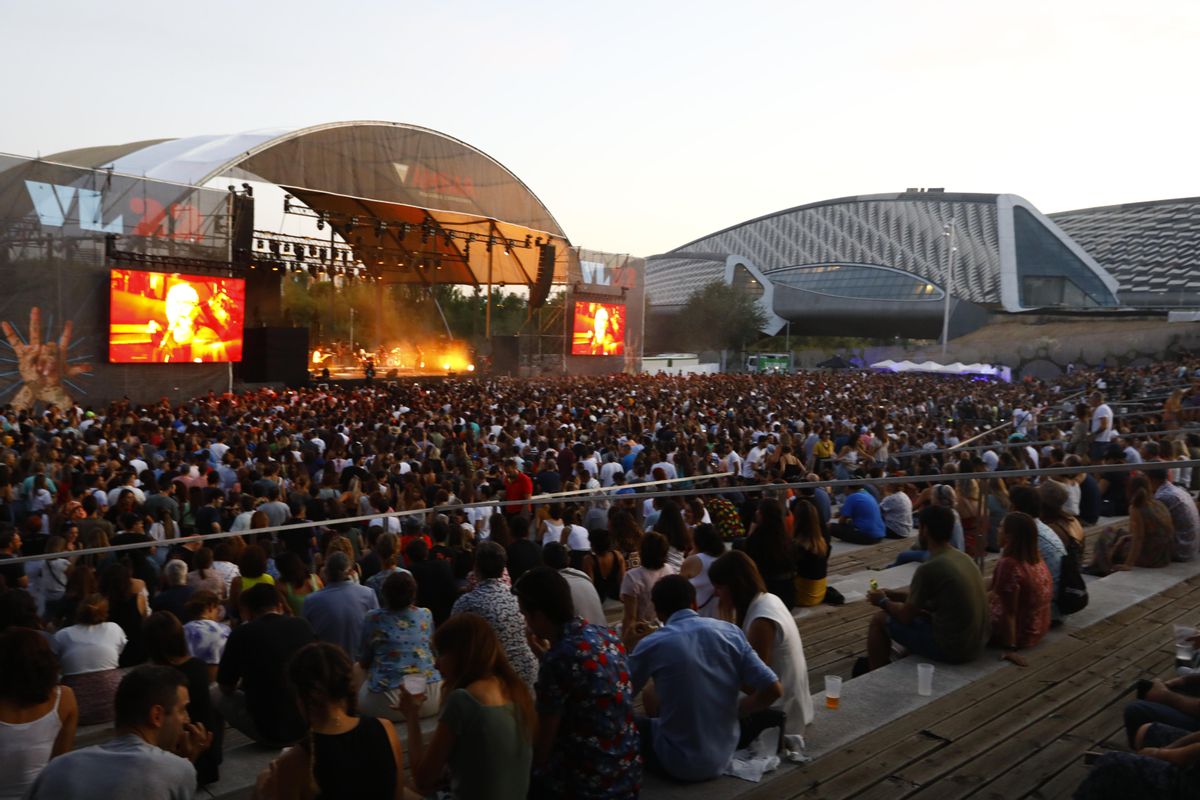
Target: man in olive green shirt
(944, 615)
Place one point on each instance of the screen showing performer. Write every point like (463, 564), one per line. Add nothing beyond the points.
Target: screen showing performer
(598, 329)
(164, 318)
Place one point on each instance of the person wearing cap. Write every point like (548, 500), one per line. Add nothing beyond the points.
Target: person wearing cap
(336, 612)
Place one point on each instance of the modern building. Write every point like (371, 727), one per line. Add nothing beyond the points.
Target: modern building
(882, 265)
(1152, 249)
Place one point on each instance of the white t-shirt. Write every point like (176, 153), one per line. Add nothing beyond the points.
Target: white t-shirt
(1102, 411)
(89, 648)
(577, 538)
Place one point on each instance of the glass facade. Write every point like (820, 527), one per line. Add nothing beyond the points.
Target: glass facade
(746, 282)
(1048, 273)
(857, 281)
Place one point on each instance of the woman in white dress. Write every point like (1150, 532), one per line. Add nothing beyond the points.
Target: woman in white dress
(771, 630)
(709, 547)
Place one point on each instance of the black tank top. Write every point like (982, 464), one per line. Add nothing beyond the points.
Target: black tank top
(356, 765)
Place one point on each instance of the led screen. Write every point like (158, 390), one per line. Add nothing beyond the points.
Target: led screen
(163, 318)
(598, 329)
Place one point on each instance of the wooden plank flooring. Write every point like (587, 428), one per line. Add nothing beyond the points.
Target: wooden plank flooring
(1016, 733)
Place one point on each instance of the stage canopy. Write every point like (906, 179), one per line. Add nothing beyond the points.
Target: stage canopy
(432, 192)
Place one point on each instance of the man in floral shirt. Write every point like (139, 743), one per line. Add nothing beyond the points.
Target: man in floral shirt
(587, 743)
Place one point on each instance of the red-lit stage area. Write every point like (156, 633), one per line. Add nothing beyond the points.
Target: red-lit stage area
(341, 251)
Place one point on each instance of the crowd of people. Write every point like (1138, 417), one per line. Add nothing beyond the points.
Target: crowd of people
(386, 556)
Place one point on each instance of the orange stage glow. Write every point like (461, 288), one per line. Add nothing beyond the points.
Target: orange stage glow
(160, 318)
(598, 329)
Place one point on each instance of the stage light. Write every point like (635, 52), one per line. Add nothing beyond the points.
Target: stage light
(470, 367)
(506, 247)
(287, 204)
(312, 270)
(312, 249)
(528, 240)
(274, 248)
(249, 189)
(354, 222)
(447, 238)
(404, 229)
(425, 232)
(380, 228)
(320, 220)
(261, 244)
(232, 189)
(490, 242)
(287, 247)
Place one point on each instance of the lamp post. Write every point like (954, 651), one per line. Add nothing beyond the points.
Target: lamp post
(948, 232)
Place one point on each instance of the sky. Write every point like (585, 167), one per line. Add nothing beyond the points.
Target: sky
(644, 125)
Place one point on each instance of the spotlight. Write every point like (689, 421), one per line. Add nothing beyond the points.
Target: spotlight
(261, 244)
(404, 229)
(491, 240)
(249, 189)
(232, 189)
(380, 228)
(312, 249)
(425, 232)
(447, 238)
(320, 220)
(354, 222)
(312, 270)
(275, 248)
(287, 204)
(528, 240)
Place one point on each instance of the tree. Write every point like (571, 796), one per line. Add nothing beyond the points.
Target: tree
(718, 316)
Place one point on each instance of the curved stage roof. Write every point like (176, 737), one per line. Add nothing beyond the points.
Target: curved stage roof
(401, 174)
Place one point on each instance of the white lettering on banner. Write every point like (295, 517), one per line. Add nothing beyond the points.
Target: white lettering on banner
(595, 272)
(52, 203)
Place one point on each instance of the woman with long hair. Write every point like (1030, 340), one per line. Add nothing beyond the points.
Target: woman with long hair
(770, 629)
(810, 553)
(296, 580)
(671, 525)
(167, 646)
(127, 607)
(484, 737)
(252, 570)
(1022, 588)
(346, 756)
(38, 716)
(639, 581)
(769, 545)
(1149, 542)
(709, 547)
(627, 535)
(609, 565)
(203, 577)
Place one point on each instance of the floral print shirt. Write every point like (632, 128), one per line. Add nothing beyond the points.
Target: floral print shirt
(397, 643)
(584, 680)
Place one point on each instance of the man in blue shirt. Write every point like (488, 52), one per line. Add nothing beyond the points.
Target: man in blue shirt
(699, 666)
(336, 612)
(859, 519)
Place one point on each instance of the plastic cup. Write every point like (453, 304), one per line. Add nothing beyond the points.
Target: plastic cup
(924, 679)
(414, 683)
(1184, 652)
(833, 691)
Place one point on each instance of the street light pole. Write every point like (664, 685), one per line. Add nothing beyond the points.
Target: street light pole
(948, 286)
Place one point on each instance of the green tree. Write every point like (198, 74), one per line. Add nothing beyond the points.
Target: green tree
(718, 316)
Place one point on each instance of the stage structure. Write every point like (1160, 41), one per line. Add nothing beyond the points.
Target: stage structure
(133, 269)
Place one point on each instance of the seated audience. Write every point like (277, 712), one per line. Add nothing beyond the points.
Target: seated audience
(492, 600)
(296, 581)
(771, 630)
(639, 581)
(586, 744)
(1021, 590)
(1026, 500)
(1148, 543)
(347, 756)
(253, 691)
(484, 736)
(699, 667)
(859, 519)
(336, 612)
(205, 636)
(1184, 516)
(166, 646)
(436, 589)
(583, 591)
(175, 592)
(148, 758)
(1165, 765)
(769, 545)
(810, 552)
(90, 654)
(128, 606)
(395, 643)
(38, 716)
(709, 547)
(609, 564)
(944, 614)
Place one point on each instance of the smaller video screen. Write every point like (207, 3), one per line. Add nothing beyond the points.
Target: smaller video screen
(169, 318)
(598, 329)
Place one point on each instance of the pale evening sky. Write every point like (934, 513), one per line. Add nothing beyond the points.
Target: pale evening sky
(642, 125)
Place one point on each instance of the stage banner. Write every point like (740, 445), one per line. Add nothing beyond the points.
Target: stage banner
(55, 225)
(605, 311)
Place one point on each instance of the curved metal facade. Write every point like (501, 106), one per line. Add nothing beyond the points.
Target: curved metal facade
(1008, 255)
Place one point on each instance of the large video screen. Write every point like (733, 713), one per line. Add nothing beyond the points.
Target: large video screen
(598, 329)
(164, 318)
